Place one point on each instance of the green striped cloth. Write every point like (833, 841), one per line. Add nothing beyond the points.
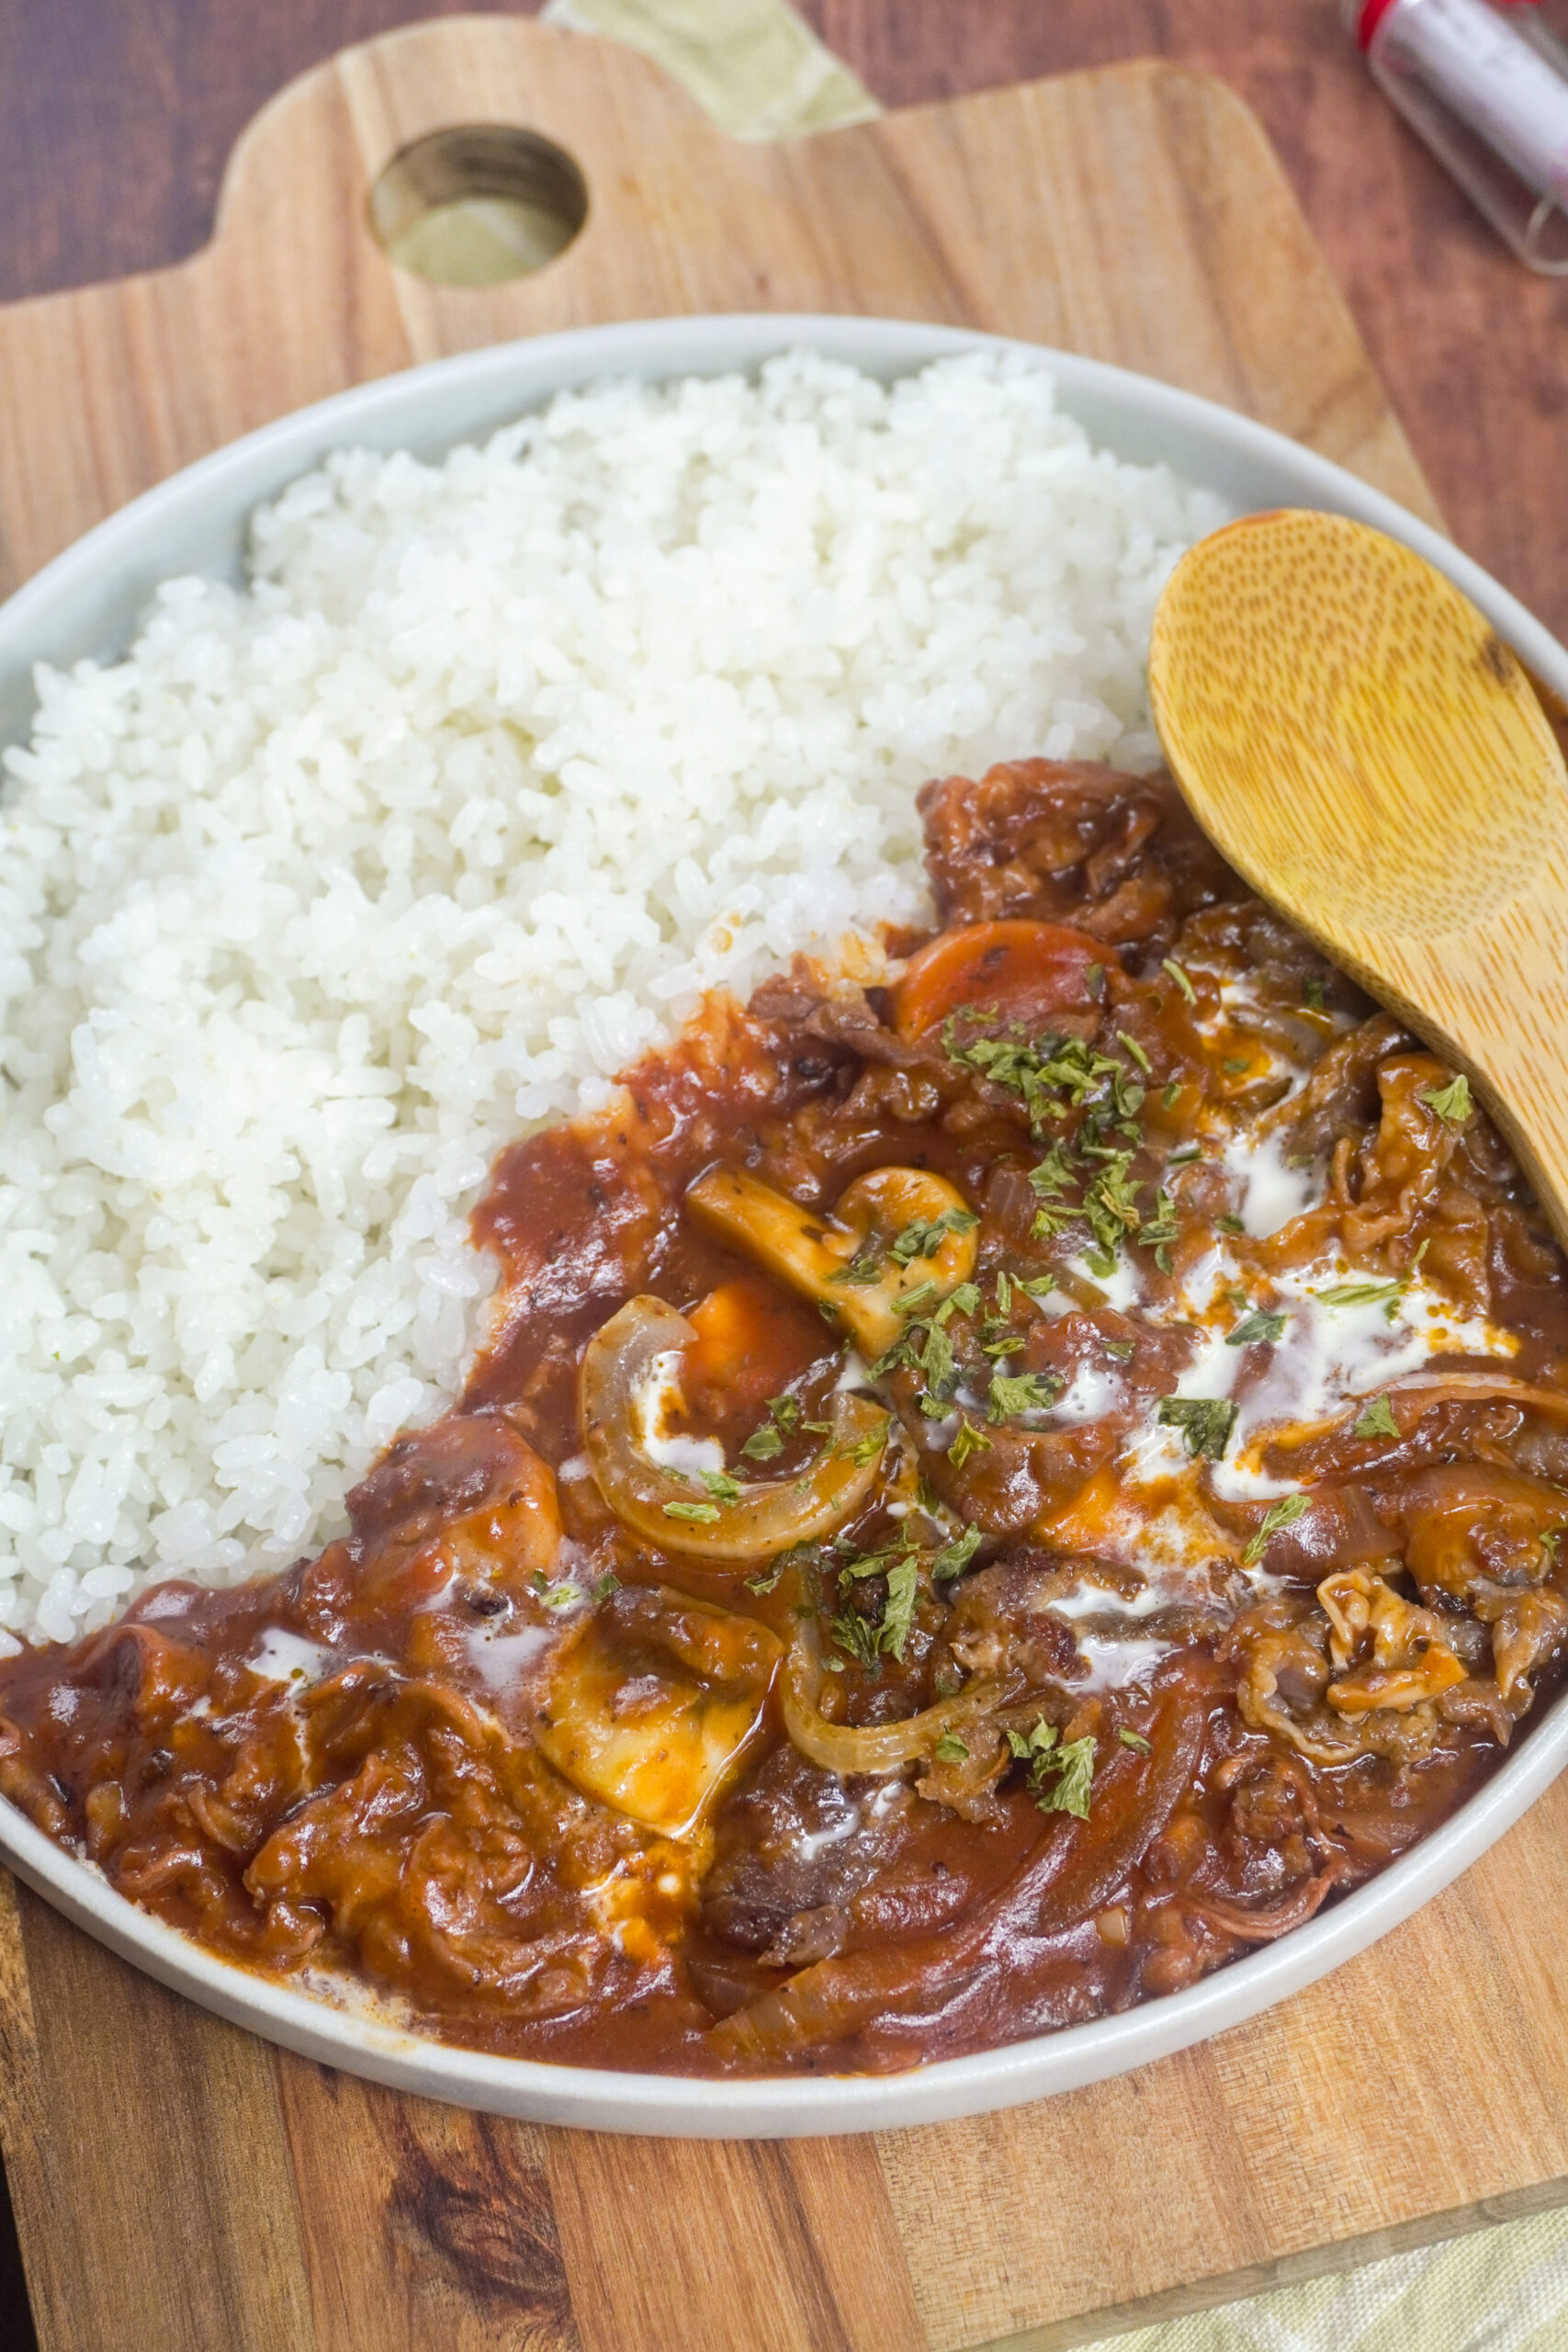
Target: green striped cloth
(756, 67)
(761, 73)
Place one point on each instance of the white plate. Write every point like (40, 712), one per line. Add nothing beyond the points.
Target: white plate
(88, 602)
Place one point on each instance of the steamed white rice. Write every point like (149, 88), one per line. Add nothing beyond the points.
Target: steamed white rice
(335, 885)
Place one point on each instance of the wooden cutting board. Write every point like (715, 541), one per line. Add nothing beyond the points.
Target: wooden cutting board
(181, 2185)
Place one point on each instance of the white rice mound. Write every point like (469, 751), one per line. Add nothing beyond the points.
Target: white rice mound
(335, 885)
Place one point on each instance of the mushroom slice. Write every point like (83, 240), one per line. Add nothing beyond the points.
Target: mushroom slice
(894, 1230)
(750, 1520)
(653, 1703)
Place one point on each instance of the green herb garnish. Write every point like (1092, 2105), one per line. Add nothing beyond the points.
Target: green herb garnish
(1376, 1420)
(1263, 1325)
(1179, 977)
(1363, 1294)
(852, 1563)
(969, 1440)
(924, 1238)
(863, 1268)
(1205, 1422)
(913, 1300)
(1159, 1231)
(1284, 1513)
(1050, 1176)
(855, 1634)
(1060, 1777)
(1039, 1074)
(700, 1514)
(866, 1449)
(1109, 1207)
(903, 1350)
(954, 1557)
(939, 1365)
(857, 1638)
(950, 1749)
(1451, 1101)
(898, 1609)
(1023, 1392)
(1135, 1740)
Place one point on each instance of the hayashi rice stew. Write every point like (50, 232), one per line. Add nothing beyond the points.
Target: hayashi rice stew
(984, 1499)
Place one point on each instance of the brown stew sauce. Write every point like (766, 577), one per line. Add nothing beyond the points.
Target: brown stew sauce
(549, 1787)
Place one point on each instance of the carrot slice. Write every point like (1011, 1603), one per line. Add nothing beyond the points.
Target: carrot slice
(752, 1340)
(1028, 970)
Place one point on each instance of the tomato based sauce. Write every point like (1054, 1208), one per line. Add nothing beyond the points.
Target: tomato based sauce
(982, 1498)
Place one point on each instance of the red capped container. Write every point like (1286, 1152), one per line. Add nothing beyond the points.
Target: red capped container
(1485, 86)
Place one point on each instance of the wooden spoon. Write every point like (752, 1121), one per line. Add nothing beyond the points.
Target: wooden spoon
(1361, 745)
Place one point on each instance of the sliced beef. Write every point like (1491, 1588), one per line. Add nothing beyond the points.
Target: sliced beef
(809, 1864)
(1069, 841)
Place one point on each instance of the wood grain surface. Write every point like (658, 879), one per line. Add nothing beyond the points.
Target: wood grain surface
(115, 124)
(180, 2184)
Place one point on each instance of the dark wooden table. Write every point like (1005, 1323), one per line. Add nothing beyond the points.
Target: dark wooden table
(115, 123)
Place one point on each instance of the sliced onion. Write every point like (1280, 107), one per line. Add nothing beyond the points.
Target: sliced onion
(1072, 1870)
(1473, 1388)
(880, 1747)
(1439, 1388)
(768, 1515)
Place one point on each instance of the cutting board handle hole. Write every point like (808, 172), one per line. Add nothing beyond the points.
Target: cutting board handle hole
(477, 203)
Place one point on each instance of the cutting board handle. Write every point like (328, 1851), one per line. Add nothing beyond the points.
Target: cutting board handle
(1136, 213)
(295, 203)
